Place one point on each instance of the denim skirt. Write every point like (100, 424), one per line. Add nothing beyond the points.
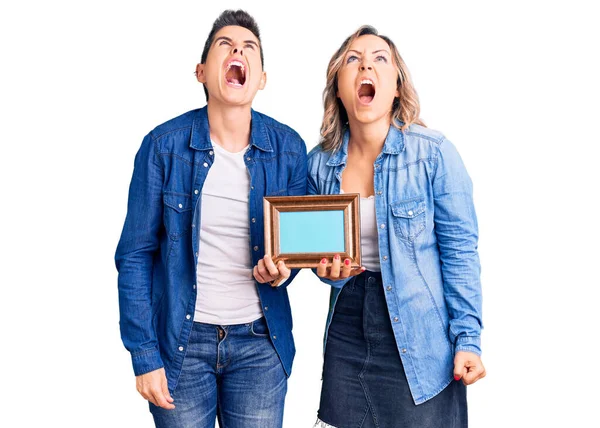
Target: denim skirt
(364, 384)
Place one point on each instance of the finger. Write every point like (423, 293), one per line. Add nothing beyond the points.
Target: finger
(459, 367)
(470, 377)
(322, 268)
(258, 276)
(475, 375)
(148, 396)
(152, 400)
(270, 266)
(165, 390)
(357, 271)
(346, 269)
(334, 272)
(284, 271)
(161, 400)
(277, 282)
(263, 271)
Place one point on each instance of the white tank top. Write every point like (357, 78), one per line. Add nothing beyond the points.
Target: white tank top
(369, 239)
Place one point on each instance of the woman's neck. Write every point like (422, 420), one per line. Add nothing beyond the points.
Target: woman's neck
(367, 139)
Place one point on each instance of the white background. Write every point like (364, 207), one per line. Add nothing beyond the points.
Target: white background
(513, 84)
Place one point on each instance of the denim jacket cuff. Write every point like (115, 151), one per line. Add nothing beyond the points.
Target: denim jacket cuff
(468, 344)
(339, 283)
(146, 361)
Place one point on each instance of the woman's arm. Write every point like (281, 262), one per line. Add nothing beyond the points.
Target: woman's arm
(457, 234)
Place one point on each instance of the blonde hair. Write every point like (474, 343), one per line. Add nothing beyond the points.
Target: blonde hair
(406, 108)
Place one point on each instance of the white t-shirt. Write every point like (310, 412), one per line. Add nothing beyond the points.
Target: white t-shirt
(227, 292)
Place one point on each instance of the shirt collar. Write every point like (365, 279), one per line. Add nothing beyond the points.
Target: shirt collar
(393, 145)
(200, 139)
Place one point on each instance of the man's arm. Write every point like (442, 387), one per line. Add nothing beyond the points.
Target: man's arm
(134, 259)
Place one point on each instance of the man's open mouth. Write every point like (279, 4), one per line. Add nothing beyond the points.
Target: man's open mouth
(366, 91)
(235, 74)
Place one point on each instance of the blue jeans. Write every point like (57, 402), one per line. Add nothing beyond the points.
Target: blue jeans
(230, 373)
(364, 384)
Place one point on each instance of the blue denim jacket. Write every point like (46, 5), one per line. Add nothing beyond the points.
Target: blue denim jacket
(427, 247)
(158, 250)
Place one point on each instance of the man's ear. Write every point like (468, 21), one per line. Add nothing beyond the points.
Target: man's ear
(263, 80)
(200, 73)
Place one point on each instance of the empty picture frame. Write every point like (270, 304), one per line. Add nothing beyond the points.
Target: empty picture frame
(301, 230)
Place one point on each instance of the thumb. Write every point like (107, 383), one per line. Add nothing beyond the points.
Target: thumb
(284, 271)
(165, 390)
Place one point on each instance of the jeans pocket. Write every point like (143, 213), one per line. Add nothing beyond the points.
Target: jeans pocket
(259, 328)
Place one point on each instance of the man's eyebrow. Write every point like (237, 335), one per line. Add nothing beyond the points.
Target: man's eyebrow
(222, 38)
(228, 39)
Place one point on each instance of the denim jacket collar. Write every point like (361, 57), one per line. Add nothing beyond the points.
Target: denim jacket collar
(200, 139)
(393, 145)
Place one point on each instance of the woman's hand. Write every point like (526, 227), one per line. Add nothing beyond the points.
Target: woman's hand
(468, 367)
(337, 271)
(266, 271)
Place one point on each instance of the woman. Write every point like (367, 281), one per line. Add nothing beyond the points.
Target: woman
(408, 323)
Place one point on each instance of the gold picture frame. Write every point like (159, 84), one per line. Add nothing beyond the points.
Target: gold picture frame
(301, 240)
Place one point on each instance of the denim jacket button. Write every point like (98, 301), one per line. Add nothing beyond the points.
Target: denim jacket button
(395, 319)
(383, 225)
(180, 348)
(205, 165)
(410, 213)
(211, 153)
(404, 350)
(188, 316)
(256, 248)
(196, 192)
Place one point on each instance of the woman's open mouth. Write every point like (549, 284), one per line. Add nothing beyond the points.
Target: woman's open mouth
(366, 91)
(235, 74)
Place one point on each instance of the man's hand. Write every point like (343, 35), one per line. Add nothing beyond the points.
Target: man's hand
(154, 387)
(266, 271)
(468, 367)
(334, 273)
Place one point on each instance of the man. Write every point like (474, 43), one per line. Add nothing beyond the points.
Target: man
(207, 326)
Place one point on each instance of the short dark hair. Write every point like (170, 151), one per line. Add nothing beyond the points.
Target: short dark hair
(239, 18)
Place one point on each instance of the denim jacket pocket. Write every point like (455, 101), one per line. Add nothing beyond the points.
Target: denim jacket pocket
(409, 217)
(177, 213)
